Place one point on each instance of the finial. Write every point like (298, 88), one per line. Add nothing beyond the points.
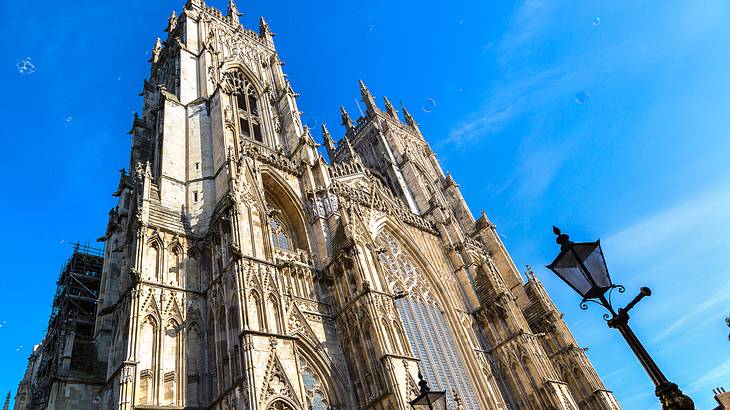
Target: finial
(529, 272)
(389, 107)
(156, 50)
(233, 10)
(562, 239)
(329, 143)
(171, 22)
(325, 132)
(422, 384)
(346, 121)
(264, 27)
(368, 99)
(409, 118)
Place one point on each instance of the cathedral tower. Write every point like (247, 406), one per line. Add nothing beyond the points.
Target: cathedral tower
(244, 271)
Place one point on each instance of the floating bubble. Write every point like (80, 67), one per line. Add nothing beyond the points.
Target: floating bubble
(582, 97)
(2, 324)
(25, 66)
(461, 21)
(97, 399)
(596, 21)
(428, 105)
(371, 27)
(19, 348)
(69, 119)
(311, 122)
(461, 89)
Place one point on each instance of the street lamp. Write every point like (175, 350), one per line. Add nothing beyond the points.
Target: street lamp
(583, 267)
(428, 400)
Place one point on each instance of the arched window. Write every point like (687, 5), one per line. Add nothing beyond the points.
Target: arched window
(175, 268)
(315, 395)
(153, 262)
(170, 371)
(247, 107)
(147, 352)
(280, 405)
(426, 327)
(272, 308)
(194, 356)
(223, 348)
(279, 234)
(213, 362)
(255, 313)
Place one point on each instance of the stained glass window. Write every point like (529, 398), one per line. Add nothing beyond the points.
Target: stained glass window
(279, 234)
(425, 325)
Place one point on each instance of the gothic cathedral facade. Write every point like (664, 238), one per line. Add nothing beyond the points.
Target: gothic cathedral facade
(244, 271)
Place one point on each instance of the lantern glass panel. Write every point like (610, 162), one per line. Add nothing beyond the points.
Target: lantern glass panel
(592, 256)
(566, 266)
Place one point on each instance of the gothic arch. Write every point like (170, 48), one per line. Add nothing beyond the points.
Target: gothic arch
(446, 321)
(316, 358)
(281, 403)
(279, 195)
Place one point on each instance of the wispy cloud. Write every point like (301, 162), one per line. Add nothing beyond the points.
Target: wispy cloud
(677, 225)
(716, 302)
(721, 373)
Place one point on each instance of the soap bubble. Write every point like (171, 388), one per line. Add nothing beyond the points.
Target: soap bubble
(69, 119)
(429, 105)
(582, 97)
(596, 21)
(311, 122)
(19, 348)
(25, 66)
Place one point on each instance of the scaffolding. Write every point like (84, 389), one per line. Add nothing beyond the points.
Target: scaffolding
(67, 349)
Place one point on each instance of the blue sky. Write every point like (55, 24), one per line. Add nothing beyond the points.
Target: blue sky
(606, 118)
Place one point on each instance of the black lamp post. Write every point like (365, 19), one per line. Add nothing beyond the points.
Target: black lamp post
(583, 267)
(428, 400)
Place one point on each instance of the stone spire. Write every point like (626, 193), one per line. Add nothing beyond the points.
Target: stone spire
(346, 120)
(233, 10)
(7, 402)
(390, 109)
(329, 143)
(368, 99)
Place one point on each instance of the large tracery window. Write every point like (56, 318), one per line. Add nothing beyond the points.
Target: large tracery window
(426, 327)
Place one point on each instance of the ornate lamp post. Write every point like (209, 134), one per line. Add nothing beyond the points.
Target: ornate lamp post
(428, 400)
(583, 267)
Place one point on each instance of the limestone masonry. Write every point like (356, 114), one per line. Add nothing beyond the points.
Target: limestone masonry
(242, 270)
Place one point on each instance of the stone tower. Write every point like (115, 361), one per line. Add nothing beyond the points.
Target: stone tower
(243, 271)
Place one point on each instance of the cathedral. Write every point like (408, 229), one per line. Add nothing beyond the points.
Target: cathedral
(243, 270)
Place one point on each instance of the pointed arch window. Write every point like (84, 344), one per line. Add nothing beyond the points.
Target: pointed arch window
(426, 327)
(313, 388)
(247, 109)
(279, 234)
